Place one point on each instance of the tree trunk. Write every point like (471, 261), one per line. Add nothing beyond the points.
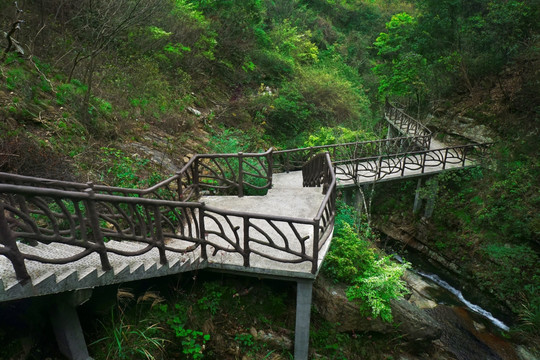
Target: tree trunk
(89, 77)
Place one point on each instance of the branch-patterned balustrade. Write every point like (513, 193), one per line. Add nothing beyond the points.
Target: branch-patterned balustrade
(85, 220)
(377, 168)
(294, 159)
(225, 174)
(408, 125)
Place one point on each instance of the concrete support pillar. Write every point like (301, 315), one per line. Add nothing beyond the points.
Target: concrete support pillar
(430, 200)
(304, 290)
(418, 197)
(66, 325)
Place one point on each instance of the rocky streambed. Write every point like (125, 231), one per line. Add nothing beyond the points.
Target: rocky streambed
(431, 321)
(436, 320)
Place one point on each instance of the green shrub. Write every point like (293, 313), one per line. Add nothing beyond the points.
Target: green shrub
(379, 283)
(272, 67)
(337, 135)
(234, 141)
(192, 341)
(530, 311)
(316, 97)
(374, 279)
(68, 92)
(126, 171)
(15, 78)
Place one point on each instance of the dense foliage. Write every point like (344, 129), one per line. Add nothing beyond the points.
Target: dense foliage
(373, 279)
(92, 89)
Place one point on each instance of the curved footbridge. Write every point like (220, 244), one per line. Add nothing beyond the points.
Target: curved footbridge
(267, 214)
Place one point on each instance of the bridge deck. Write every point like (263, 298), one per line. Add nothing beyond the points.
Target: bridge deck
(286, 198)
(272, 235)
(370, 171)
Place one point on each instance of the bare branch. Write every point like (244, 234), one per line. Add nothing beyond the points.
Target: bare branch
(14, 27)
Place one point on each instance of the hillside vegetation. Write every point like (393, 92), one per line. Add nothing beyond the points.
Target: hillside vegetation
(105, 91)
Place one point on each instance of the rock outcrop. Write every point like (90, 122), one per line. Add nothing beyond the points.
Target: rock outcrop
(413, 323)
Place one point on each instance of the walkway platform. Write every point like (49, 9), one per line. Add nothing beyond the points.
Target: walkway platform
(401, 167)
(287, 198)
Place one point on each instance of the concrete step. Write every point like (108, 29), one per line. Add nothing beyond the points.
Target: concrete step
(125, 245)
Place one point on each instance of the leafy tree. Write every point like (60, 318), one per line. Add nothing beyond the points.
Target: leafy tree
(402, 71)
(100, 23)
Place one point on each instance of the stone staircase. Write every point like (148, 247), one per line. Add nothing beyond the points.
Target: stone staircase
(87, 272)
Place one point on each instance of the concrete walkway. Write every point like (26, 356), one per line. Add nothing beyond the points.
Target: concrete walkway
(392, 168)
(275, 239)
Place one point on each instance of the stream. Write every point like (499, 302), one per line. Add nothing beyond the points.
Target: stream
(470, 331)
(459, 295)
(454, 295)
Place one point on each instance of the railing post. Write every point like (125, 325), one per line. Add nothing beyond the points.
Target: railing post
(196, 176)
(179, 186)
(202, 232)
(444, 160)
(404, 163)
(96, 230)
(160, 242)
(10, 249)
(247, 251)
(240, 174)
(315, 264)
(326, 175)
(464, 156)
(270, 159)
(424, 161)
(379, 164)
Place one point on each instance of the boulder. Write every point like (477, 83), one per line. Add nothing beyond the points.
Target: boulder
(526, 354)
(420, 290)
(413, 323)
(463, 127)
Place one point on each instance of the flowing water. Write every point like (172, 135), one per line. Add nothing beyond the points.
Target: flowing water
(469, 305)
(470, 331)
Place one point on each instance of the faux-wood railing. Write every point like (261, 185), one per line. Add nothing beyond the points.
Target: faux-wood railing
(376, 168)
(87, 217)
(408, 125)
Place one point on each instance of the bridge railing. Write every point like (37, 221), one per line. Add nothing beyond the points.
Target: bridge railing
(294, 159)
(376, 168)
(316, 172)
(79, 220)
(225, 174)
(407, 125)
(81, 223)
(165, 190)
(215, 173)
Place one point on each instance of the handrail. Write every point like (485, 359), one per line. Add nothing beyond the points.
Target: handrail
(294, 159)
(202, 171)
(225, 173)
(378, 167)
(87, 220)
(408, 125)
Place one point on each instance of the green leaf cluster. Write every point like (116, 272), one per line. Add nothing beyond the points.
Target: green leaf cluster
(373, 279)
